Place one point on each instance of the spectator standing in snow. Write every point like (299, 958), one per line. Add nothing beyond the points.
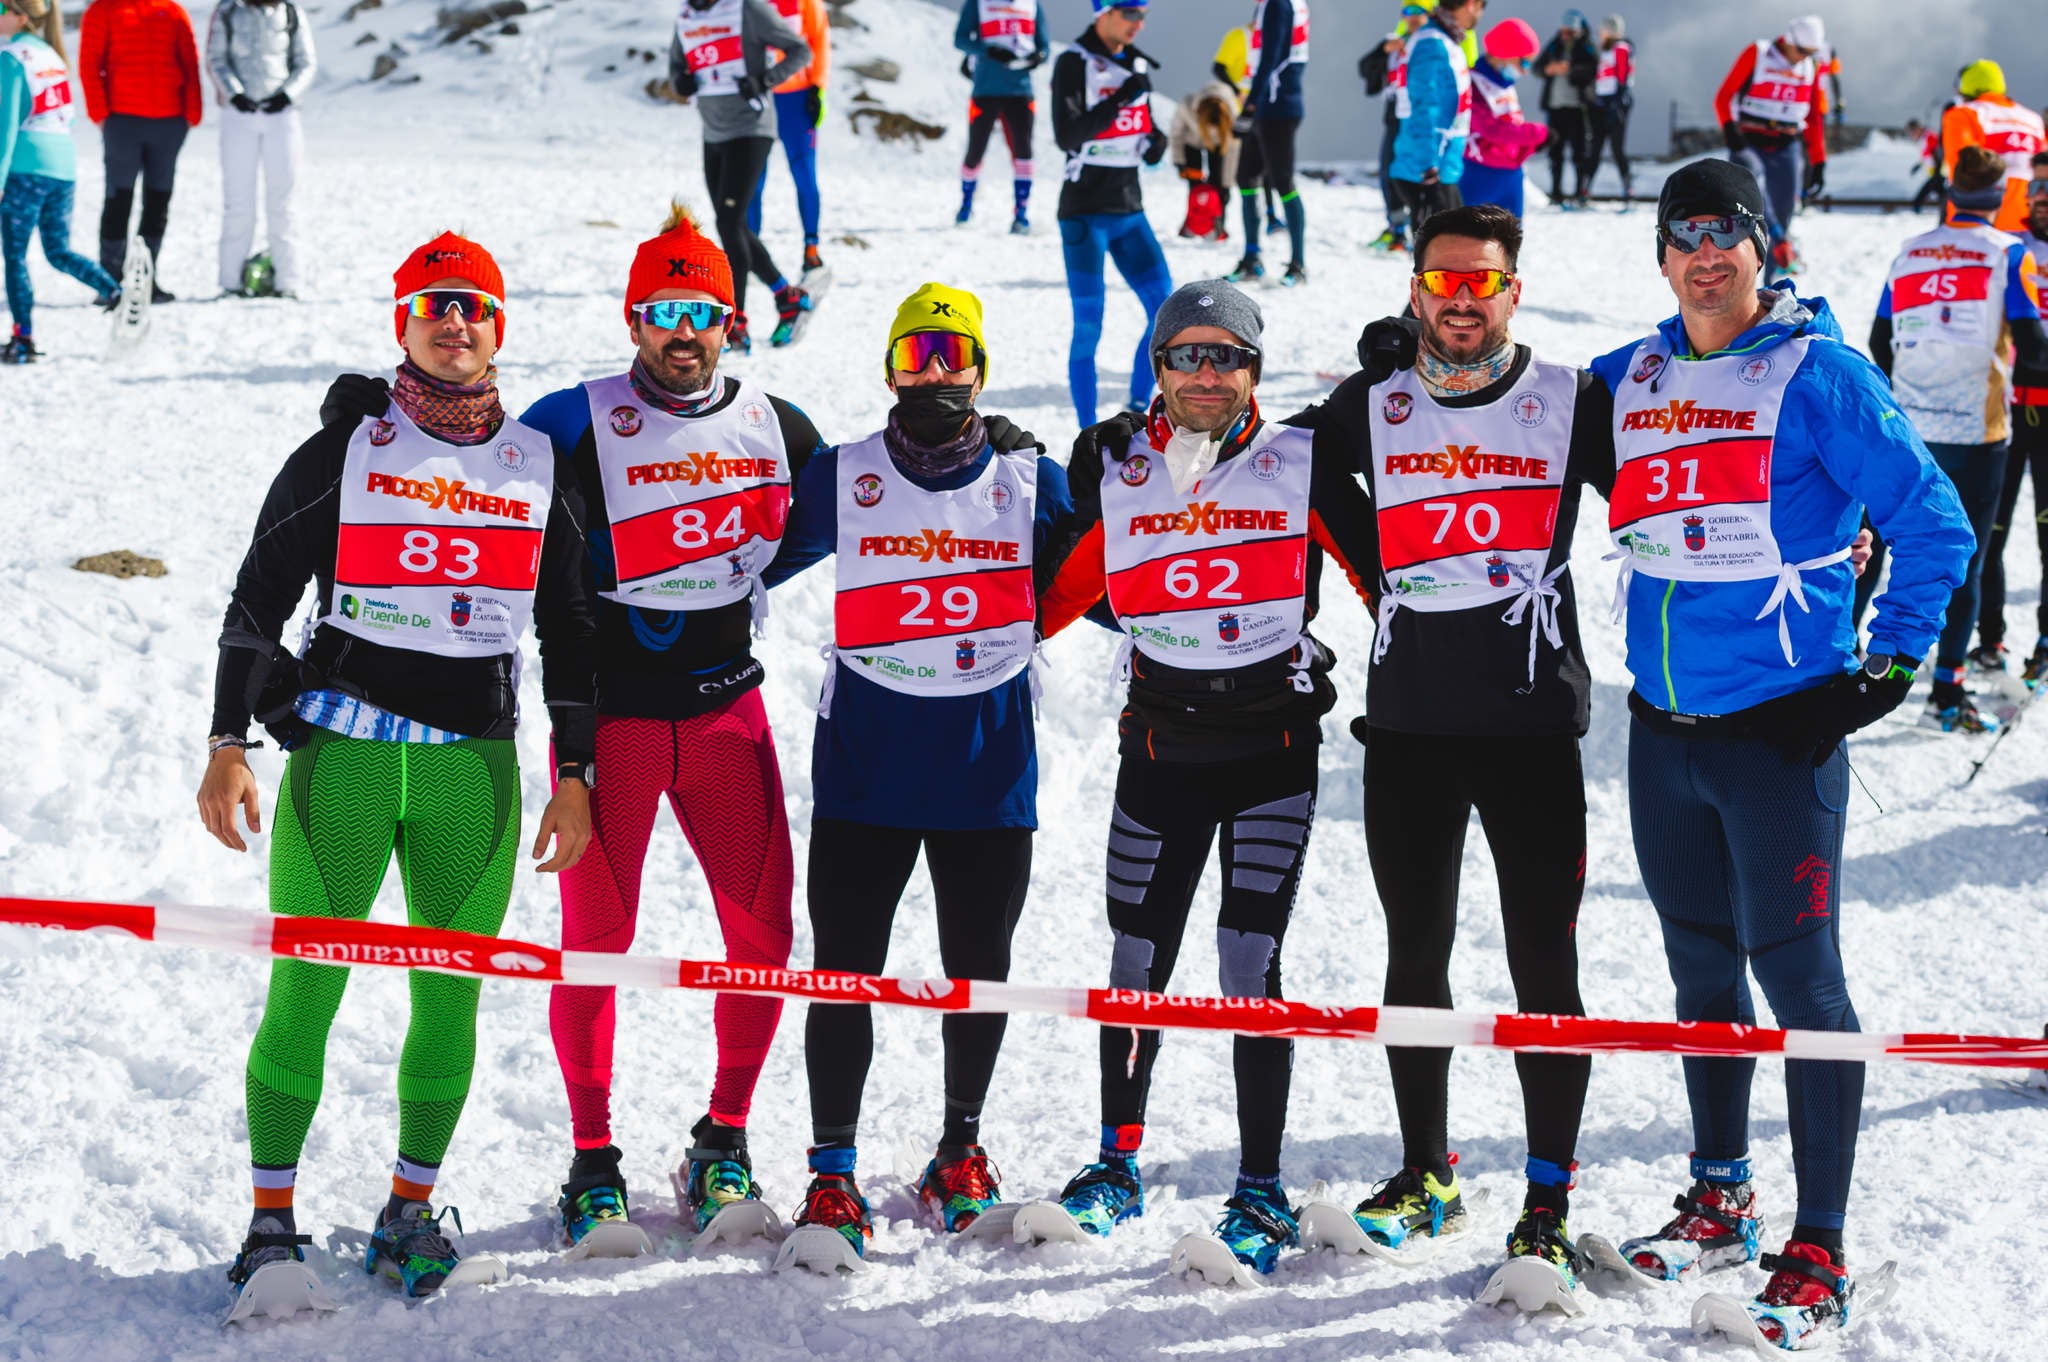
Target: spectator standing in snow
(1570, 65)
(799, 110)
(139, 66)
(1501, 138)
(1435, 109)
(1006, 41)
(1614, 96)
(261, 55)
(37, 161)
(1206, 148)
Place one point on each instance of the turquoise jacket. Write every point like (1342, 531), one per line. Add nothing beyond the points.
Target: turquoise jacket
(29, 153)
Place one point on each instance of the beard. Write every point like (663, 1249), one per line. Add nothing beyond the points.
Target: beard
(681, 366)
(1464, 347)
(1231, 407)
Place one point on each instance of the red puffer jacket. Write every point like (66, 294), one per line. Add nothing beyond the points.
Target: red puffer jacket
(139, 57)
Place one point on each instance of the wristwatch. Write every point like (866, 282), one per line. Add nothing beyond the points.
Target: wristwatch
(1885, 666)
(585, 771)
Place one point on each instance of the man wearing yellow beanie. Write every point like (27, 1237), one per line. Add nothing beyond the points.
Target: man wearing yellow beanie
(924, 739)
(1988, 117)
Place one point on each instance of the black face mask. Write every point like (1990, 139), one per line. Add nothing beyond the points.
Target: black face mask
(933, 414)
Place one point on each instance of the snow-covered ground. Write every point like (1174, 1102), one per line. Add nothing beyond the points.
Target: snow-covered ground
(121, 1065)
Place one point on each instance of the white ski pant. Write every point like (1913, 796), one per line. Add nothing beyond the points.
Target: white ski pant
(249, 141)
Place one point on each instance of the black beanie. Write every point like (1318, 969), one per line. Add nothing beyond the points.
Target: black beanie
(1713, 188)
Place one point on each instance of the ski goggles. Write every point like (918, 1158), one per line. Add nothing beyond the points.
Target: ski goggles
(1446, 283)
(1726, 232)
(1224, 358)
(2038, 187)
(911, 354)
(670, 313)
(476, 306)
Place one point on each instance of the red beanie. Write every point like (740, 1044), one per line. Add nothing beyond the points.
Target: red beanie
(448, 256)
(681, 257)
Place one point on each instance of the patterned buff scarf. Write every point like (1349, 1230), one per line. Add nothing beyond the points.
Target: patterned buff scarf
(675, 404)
(461, 414)
(930, 461)
(1445, 379)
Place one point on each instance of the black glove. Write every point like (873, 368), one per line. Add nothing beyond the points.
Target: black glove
(1389, 345)
(1109, 441)
(243, 102)
(1001, 56)
(1007, 437)
(967, 68)
(686, 87)
(1156, 148)
(1732, 135)
(1816, 179)
(1132, 90)
(750, 88)
(354, 396)
(1241, 126)
(277, 103)
(1812, 723)
(1033, 62)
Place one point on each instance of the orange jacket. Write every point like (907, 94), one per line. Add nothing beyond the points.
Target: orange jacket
(1815, 133)
(814, 24)
(1960, 127)
(139, 57)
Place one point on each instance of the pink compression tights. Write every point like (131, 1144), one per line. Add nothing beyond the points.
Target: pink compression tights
(720, 776)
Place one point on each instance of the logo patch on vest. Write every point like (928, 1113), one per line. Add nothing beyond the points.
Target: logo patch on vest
(1227, 628)
(1695, 533)
(1135, 470)
(867, 490)
(383, 433)
(963, 655)
(1397, 408)
(1529, 410)
(511, 457)
(458, 609)
(1652, 365)
(625, 422)
(1755, 371)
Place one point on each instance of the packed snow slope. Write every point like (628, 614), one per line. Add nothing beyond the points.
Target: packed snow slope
(122, 1064)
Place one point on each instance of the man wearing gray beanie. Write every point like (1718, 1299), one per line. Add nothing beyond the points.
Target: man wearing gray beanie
(1195, 521)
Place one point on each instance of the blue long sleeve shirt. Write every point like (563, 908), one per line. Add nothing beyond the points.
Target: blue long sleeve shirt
(1842, 446)
(994, 77)
(947, 764)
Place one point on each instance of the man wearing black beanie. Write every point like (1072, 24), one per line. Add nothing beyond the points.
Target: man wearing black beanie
(1749, 443)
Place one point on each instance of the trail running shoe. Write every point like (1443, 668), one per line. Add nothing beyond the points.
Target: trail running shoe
(716, 1179)
(596, 1198)
(812, 260)
(1104, 1195)
(737, 337)
(1960, 716)
(268, 1243)
(1297, 274)
(1717, 1226)
(1541, 1233)
(834, 1201)
(411, 1249)
(1411, 1202)
(958, 1190)
(1808, 1294)
(1257, 1223)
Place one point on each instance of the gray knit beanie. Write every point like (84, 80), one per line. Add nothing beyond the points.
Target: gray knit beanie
(1207, 302)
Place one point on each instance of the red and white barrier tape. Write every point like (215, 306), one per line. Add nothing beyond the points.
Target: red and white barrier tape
(328, 941)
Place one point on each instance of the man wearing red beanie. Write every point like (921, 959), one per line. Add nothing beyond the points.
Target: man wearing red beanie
(687, 474)
(434, 530)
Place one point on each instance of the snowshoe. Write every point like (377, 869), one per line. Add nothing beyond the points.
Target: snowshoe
(411, 1249)
(1808, 1297)
(813, 262)
(793, 315)
(1542, 1270)
(592, 1211)
(1257, 1223)
(1959, 716)
(270, 1276)
(1095, 1201)
(19, 350)
(738, 339)
(715, 1188)
(1717, 1226)
(832, 1230)
(2035, 673)
(1603, 1258)
(1247, 269)
(960, 1191)
(1020, 225)
(1296, 276)
(138, 289)
(1411, 1213)
(1389, 242)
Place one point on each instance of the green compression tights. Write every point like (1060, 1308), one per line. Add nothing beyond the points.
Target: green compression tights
(452, 813)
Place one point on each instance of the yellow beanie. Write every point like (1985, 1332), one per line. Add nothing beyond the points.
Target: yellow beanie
(1985, 77)
(939, 307)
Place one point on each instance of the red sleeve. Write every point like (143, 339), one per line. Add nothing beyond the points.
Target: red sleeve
(1733, 84)
(1077, 587)
(188, 71)
(1321, 534)
(92, 55)
(1817, 124)
(1624, 64)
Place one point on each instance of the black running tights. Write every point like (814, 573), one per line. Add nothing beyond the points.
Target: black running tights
(731, 170)
(857, 875)
(1531, 796)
